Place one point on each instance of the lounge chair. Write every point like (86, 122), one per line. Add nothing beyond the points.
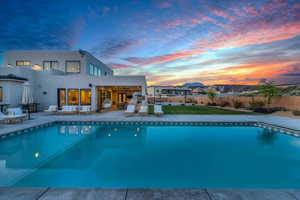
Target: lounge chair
(15, 112)
(158, 110)
(14, 115)
(85, 109)
(130, 110)
(144, 108)
(51, 109)
(69, 109)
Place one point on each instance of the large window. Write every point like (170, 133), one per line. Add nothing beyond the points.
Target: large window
(47, 65)
(73, 97)
(1, 94)
(91, 69)
(23, 63)
(99, 72)
(85, 97)
(73, 66)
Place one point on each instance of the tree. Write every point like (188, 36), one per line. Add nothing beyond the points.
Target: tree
(268, 90)
(211, 94)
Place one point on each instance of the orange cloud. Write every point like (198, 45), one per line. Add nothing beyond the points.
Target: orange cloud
(240, 74)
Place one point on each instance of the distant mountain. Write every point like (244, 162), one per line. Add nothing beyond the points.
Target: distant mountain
(193, 85)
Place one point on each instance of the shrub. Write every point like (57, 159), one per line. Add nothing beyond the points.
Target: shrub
(296, 112)
(237, 104)
(211, 104)
(224, 104)
(256, 105)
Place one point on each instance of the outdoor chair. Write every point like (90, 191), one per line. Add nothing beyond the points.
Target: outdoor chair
(144, 108)
(158, 110)
(130, 110)
(85, 109)
(69, 109)
(51, 109)
(14, 115)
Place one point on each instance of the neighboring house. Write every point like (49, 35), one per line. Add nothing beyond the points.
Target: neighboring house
(65, 78)
(167, 91)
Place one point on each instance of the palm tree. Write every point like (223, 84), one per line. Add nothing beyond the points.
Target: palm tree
(268, 90)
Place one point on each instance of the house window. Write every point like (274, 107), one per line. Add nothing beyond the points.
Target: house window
(85, 97)
(23, 63)
(1, 94)
(99, 72)
(47, 65)
(91, 69)
(105, 73)
(73, 66)
(73, 97)
(95, 71)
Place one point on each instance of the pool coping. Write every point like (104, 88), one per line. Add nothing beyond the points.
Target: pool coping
(271, 127)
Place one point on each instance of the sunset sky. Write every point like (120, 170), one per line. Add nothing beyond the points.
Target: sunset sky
(171, 42)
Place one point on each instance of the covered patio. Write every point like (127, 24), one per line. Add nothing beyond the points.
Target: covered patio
(116, 96)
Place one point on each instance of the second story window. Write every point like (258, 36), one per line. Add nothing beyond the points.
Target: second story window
(91, 69)
(99, 72)
(73, 66)
(47, 65)
(23, 63)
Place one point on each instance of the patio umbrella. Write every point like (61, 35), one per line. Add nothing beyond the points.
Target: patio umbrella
(27, 97)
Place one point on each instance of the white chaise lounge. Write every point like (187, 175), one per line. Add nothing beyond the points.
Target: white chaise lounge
(158, 110)
(85, 109)
(144, 108)
(14, 115)
(130, 110)
(69, 109)
(52, 109)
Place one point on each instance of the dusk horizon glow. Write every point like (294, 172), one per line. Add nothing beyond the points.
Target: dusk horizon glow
(172, 42)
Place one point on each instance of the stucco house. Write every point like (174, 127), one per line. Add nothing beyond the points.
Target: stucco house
(65, 78)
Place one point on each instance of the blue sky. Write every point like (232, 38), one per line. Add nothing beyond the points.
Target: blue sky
(172, 42)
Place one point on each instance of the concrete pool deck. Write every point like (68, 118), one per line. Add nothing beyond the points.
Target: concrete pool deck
(8, 193)
(145, 194)
(42, 118)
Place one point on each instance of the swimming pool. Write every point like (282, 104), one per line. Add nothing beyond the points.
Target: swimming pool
(150, 156)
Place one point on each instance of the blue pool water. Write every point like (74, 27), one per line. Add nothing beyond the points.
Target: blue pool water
(115, 156)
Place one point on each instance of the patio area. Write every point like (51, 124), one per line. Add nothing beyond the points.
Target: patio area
(145, 194)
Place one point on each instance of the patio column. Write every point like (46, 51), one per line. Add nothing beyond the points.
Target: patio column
(94, 98)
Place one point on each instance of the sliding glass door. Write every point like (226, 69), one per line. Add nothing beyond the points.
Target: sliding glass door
(61, 97)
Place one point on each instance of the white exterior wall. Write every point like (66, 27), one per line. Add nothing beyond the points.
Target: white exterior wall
(12, 92)
(46, 83)
(38, 58)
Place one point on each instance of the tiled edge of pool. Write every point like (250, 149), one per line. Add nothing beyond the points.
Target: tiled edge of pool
(271, 127)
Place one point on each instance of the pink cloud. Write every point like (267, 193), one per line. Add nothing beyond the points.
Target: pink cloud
(118, 66)
(251, 10)
(143, 61)
(272, 5)
(164, 4)
(296, 6)
(238, 12)
(174, 23)
(223, 14)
